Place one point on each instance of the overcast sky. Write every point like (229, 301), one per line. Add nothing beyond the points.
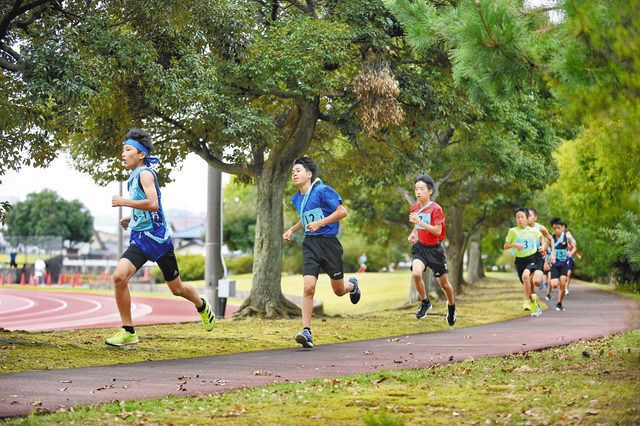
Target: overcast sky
(187, 192)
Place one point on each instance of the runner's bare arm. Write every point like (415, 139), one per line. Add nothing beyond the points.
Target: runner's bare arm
(150, 204)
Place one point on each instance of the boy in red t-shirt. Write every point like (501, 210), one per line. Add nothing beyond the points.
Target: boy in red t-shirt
(429, 231)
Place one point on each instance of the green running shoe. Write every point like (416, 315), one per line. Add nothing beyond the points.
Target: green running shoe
(122, 338)
(207, 316)
(536, 310)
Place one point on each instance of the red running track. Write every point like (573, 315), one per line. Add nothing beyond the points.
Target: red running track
(32, 310)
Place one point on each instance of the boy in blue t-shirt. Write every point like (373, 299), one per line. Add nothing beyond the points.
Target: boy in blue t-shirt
(320, 208)
(149, 238)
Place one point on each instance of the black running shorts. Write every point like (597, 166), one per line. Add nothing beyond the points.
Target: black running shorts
(322, 252)
(533, 263)
(431, 256)
(167, 262)
(558, 271)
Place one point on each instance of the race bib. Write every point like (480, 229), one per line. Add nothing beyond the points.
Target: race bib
(312, 216)
(561, 254)
(527, 243)
(424, 217)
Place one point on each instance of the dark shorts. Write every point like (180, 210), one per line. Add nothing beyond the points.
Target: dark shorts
(533, 263)
(432, 256)
(571, 263)
(167, 262)
(322, 253)
(559, 270)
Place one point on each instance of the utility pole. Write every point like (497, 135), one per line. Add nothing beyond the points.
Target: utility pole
(120, 230)
(213, 268)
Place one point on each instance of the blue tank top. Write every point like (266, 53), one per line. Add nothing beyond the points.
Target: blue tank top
(148, 229)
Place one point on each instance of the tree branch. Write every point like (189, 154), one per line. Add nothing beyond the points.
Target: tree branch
(438, 183)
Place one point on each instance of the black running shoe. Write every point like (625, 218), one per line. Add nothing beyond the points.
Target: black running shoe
(354, 294)
(559, 307)
(451, 315)
(547, 296)
(425, 307)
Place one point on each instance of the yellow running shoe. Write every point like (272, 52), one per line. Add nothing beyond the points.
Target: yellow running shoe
(207, 316)
(122, 338)
(536, 310)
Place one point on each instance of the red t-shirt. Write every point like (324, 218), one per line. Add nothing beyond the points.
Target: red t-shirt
(432, 215)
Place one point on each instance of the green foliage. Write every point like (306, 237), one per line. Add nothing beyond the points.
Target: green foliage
(45, 213)
(239, 213)
(239, 265)
(191, 268)
(627, 235)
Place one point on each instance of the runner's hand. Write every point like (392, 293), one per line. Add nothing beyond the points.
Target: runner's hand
(125, 222)
(414, 218)
(287, 236)
(518, 246)
(117, 201)
(413, 238)
(314, 226)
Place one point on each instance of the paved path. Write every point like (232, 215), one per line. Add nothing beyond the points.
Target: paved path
(590, 314)
(34, 310)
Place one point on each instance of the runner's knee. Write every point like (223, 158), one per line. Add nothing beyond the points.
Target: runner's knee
(119, 279)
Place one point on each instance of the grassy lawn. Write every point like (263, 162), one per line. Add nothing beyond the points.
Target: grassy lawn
(23, 351)
(596, 382)
(380, 291)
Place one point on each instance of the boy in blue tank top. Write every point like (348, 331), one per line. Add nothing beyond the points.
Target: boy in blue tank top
(149, 237)
(320, 208)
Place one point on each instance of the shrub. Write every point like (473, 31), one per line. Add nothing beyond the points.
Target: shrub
(191, 268)
(239, 265)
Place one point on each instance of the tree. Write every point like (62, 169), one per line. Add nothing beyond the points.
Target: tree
(586, 57)
(247, 85)
(45, 213)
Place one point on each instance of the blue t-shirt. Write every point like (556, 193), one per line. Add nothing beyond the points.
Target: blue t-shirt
(322, 202)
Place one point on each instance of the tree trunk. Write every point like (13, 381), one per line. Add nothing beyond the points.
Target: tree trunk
(456, 247)
(266, 298)
(475, 270)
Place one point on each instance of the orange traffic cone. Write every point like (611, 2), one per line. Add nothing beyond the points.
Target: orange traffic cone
(49, 280)
(23, 279)
(1, 279)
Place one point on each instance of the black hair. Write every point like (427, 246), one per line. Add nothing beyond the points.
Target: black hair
(555, 220)
(533, 211)
(561, 222)
(524, 210)
(141, 136)
(308, 165)
(428, 180)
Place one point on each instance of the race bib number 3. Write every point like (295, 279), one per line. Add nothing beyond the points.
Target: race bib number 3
(527, 243)
(312, 216)
(424, 217)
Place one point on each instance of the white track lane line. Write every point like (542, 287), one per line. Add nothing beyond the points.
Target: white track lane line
(29, 304)
(63, 305)
(96, 307)
(104, 319)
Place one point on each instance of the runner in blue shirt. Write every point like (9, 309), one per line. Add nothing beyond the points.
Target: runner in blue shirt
(149, 237)
(320, 209)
